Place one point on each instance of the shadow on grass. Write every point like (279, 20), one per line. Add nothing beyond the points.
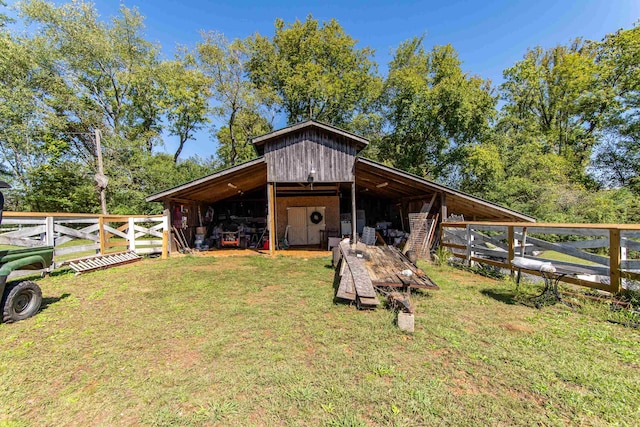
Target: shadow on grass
(61, 271)
(46, 302)
(504, 296)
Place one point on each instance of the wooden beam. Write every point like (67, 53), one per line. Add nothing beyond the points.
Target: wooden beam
(443, 207)
(614, 261)
(271, 216)
(354, 231)
(102, 235)
(511, 251)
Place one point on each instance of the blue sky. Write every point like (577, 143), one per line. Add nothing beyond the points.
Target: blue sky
(489, 36)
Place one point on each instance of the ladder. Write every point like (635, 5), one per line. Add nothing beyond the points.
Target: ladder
(98, 262)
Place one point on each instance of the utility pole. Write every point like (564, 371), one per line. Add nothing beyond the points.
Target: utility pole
(101, 179)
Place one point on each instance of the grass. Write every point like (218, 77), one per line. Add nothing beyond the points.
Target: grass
(257, 341)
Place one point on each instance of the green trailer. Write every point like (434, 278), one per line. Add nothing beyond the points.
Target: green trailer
(22, 299)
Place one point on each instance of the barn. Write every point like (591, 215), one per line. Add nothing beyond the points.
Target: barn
(308, 187)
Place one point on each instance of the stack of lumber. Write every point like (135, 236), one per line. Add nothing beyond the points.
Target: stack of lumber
(365, 269)
(389, 268)
(355, 283)
(422, 233)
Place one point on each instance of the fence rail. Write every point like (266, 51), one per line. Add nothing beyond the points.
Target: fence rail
(604, 249)
(71, 234)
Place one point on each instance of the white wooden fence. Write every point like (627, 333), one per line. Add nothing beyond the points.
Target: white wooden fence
(74, 234)
(610, 250)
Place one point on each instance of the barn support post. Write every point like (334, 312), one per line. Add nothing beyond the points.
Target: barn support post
(443, 207)
(354, 217)
(167, 244)
(165, 235)
(511, 249)
(271, 218)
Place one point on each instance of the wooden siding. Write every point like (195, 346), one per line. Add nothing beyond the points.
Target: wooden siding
(291, 157)
(331, 216)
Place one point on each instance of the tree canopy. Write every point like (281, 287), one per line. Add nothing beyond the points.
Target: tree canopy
(558, 139)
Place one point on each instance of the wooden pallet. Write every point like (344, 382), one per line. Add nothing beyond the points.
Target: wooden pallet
(98, 262)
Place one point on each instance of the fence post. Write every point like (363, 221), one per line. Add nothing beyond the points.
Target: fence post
(101, 234)
(614, 260)
(510, 241)
(165, 236)
(49, 230)
(131, 235)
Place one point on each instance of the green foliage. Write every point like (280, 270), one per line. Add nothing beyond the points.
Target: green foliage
(433, 109)
(311, 70)
(224, 63)
(553, 91)
(563, 147)
(63, 187)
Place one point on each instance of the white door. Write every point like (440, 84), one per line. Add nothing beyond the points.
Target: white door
(297, 222)
(313, 230)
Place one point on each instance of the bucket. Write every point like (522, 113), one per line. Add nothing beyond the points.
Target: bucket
(199, 240)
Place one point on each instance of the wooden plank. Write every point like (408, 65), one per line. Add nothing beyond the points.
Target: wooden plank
(346, 290)
(632, 275)
(630, 264)
(614, 261)
(588, 244)
(28, 243)
(490, 252)
(365, 302)
(361, 279)
(630, 244)
(572, 251)
(552, 225)
(26, 232)
(73, 249)
(454, 245)
(504, 265)
(75, 233)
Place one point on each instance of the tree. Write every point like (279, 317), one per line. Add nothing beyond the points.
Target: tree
(98, 65)
(238, 100)
(313, 71)
(433, 110)
(185, 95)
(552, 95)
(618, 155)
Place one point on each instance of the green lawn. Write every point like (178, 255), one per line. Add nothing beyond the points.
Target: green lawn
(246, 341)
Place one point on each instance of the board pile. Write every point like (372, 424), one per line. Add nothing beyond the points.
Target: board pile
(355, 283)
(367, 269)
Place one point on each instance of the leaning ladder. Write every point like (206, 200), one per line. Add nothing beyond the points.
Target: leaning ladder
(98, 262)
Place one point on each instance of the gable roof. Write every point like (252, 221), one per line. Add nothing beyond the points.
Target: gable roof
(260, 141)
(219, 185)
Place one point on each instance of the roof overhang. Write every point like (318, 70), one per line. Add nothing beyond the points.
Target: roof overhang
(221, 185)
(259, 141)
(384, 181)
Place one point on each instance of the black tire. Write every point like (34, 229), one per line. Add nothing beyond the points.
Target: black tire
(21, 301)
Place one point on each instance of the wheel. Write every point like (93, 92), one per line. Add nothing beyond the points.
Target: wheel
(21, 301)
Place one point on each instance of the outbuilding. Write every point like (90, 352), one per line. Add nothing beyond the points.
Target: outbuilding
(310, 186)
